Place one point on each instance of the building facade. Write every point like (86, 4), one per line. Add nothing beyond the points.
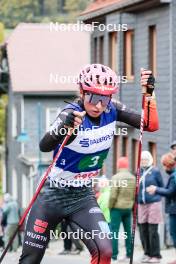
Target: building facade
(43, 67)
(143, 37)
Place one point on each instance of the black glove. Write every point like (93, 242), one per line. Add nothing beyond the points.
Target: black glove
(150, 84)
(67, 118)
(69, 121)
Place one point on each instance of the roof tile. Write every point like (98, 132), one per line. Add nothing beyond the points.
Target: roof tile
(99, 4)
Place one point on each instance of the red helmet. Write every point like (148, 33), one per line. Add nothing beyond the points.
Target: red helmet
(98, 79)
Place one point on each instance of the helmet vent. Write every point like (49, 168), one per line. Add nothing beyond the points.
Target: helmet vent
(103, 69)
(87, 84)
(97, 78)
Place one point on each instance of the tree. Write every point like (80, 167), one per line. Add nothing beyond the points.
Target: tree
(42, 7)
(14, 11)
(3, 103)
(1, 33)
(74, 7)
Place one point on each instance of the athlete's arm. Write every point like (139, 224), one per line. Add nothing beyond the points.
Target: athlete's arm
(151, 122)
(59, 129)
(127, 115)
(133, 118)
(147, 81)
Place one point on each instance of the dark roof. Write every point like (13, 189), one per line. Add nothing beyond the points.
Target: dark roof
(100, 4)
(100, 7)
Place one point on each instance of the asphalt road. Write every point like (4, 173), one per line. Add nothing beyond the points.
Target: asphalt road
(52, 257)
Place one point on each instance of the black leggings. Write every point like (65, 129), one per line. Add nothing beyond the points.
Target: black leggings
(68, 238)
(83, 215)
(150, 239)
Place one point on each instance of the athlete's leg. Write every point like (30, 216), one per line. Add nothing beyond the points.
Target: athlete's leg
(42, 218)
(91, 222)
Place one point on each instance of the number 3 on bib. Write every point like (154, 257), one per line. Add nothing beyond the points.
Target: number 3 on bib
(95, 161)
(92, 162)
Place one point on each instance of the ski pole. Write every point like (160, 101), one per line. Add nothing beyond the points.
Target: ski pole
(151, 84)
(137, 181)
(36, 193)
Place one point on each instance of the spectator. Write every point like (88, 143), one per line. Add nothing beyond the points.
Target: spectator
(96, 188)
(69, 240)
(120, 203)
(173, 148)
(169, 164)
(11, 211)
(149, 209)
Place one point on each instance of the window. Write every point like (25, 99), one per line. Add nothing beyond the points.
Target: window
(116, 152)
(101, 50)
(152, 49)
(95, 50)
(113, 50)
(51, 114)
(129, 54)
(153, 151)
(125, 146)
(134, 154)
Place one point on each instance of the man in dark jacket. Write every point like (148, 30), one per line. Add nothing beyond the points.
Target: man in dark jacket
(169, 163)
